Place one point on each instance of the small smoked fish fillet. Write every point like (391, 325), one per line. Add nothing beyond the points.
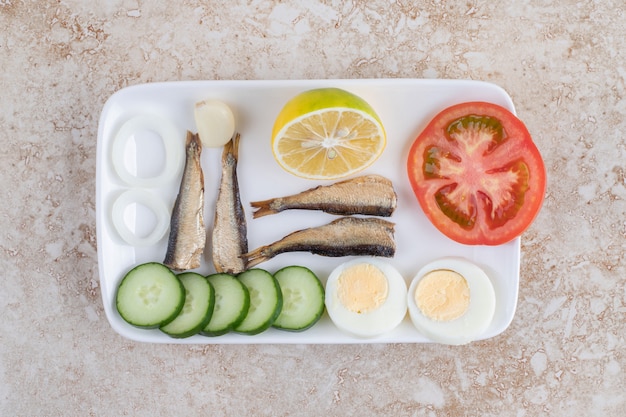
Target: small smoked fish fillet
(187, 233)
(229, 228)
(369, 195)
(342, 237)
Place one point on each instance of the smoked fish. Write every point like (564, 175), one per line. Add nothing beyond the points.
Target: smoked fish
(368, 195)
(187, 237)
(229, 240)
(361, 236)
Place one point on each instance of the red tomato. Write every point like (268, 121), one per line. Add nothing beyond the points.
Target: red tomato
(477, 174)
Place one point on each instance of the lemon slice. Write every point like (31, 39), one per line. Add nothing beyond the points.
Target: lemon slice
(327, 133)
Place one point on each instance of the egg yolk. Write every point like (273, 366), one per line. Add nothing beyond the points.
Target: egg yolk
(442, 295)
(362, 288)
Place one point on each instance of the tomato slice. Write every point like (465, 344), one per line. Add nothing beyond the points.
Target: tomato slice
(477, 174)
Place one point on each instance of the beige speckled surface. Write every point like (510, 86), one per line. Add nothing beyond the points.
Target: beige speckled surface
(563, 65)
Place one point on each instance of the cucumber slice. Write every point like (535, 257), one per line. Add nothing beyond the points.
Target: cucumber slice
(303, 298)
(232, 301)
(266, 301)
(198, 307)
(150, 295)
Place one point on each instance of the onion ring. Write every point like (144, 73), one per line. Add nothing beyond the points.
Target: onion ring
(170, 136)
(150, 201)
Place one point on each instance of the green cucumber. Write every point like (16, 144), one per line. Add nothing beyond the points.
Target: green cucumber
(266, 301)
(232, 301)
(198, 307)
(150, 295)
(303, 298)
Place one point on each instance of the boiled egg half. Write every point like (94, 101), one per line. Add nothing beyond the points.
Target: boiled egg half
(366, 297)
(451, 301)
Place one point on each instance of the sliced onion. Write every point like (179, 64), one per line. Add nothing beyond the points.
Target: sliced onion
(171, 136)
(148, 200)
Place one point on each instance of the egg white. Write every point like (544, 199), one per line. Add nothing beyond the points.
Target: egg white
(376, 322)
(476, 318)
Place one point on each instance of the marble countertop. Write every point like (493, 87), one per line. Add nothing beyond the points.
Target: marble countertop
(563, 66)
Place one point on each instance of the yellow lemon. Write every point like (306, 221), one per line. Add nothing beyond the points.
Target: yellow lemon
(327, 133)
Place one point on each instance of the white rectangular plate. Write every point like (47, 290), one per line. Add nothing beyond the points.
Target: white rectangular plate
(405, 106)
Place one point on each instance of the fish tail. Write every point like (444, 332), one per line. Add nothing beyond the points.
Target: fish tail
(193, 140)
(231, 148)
(263, 208)
(256, 257)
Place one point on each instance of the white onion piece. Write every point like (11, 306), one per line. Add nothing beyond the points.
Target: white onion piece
(215, 122)
(170, 135)
(148, 200)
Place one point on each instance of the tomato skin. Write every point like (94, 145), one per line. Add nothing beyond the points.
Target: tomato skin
(477, 174)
